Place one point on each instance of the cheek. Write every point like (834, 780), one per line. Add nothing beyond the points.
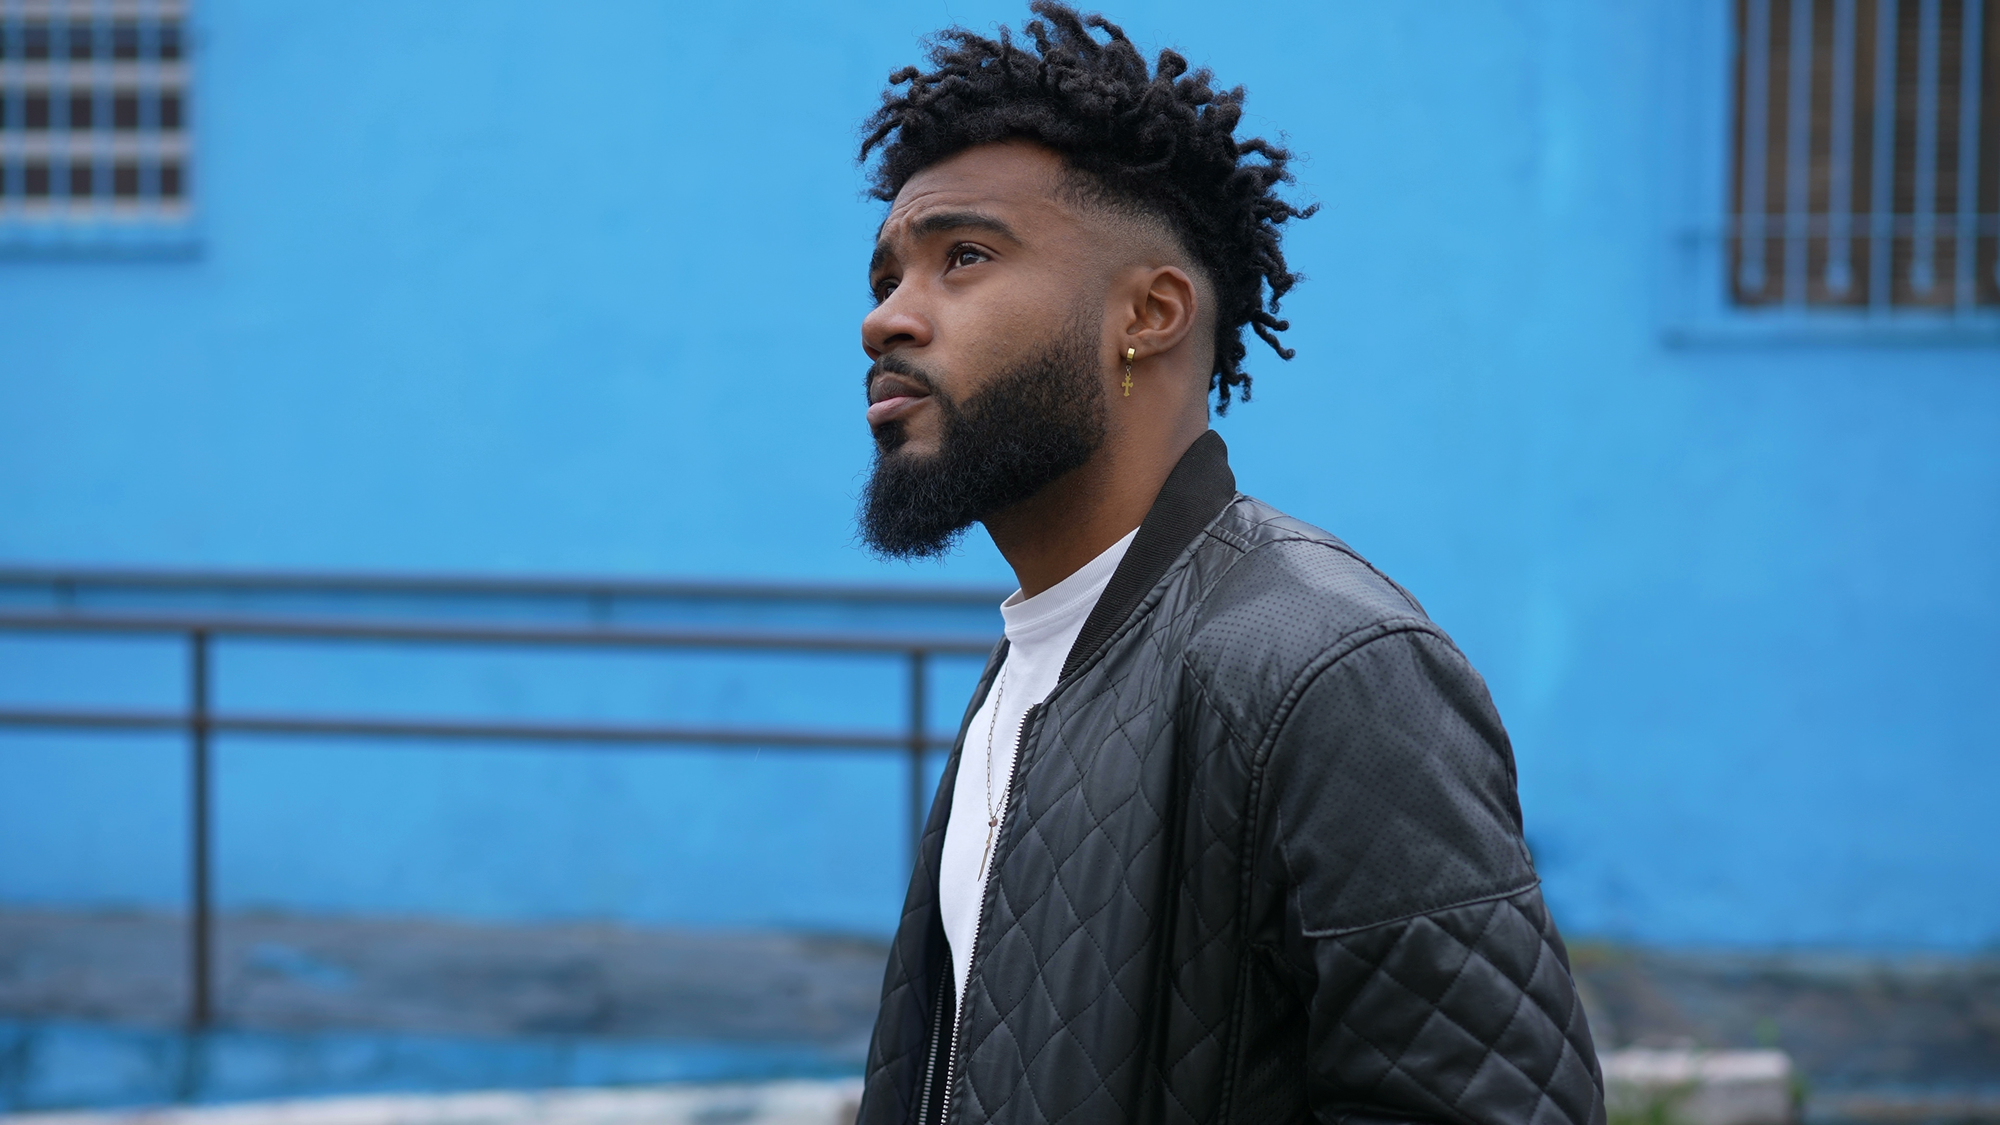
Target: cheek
(1001, 324)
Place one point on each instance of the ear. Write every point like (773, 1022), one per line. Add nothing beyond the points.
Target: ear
(1162, 308)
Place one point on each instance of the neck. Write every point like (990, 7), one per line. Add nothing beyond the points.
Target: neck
(1079, 515)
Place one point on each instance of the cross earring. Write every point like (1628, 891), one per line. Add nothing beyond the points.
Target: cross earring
(1130, 355)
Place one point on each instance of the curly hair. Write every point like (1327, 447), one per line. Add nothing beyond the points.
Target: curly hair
(1160, 142)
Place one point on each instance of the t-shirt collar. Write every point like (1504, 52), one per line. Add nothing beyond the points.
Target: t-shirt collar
(1029, 619)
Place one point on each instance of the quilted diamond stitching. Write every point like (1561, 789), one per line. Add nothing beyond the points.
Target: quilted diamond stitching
(1184, 834)
(1523, 996)
(1079, 926)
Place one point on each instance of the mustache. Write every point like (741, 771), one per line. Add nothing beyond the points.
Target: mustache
(899, 365)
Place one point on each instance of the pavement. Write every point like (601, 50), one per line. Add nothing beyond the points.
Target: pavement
(91, 1007)
(1892, 1025)
(289, 973)
(793, 1102)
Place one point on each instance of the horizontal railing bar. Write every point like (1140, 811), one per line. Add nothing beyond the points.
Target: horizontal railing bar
(449, 633)
(453, 729)
(490, 585)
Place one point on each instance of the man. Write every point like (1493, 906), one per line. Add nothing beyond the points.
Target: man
(1230, 831)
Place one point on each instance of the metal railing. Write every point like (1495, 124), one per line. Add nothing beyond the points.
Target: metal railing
(202, 722)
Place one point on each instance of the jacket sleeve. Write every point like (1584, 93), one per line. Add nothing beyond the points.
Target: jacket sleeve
(1434, 984)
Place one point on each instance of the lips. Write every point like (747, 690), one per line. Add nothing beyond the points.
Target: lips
(890, 409)
(891, 397)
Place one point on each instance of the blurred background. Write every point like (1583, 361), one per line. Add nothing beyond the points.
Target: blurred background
(435, 652)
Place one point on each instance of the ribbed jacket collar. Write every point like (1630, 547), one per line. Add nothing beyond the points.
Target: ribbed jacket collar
(1197, 491)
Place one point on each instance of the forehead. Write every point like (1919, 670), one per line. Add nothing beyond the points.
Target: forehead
(1016, 182)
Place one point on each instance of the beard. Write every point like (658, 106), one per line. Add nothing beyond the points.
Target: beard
(1036, 421)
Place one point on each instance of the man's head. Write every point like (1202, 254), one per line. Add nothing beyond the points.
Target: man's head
(1055, 212)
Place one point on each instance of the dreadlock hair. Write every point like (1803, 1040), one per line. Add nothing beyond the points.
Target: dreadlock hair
(1158, 143)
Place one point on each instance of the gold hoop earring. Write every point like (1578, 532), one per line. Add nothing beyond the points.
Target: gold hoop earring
(1130, 355)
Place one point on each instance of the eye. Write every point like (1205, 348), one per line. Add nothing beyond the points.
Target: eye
(965, 254)
(882, 289)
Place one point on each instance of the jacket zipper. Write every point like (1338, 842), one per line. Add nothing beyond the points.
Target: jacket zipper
(930, 1058)
(979, 927)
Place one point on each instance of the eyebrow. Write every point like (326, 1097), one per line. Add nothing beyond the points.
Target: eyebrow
(940, 222)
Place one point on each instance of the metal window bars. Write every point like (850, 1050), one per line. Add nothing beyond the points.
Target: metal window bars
(1867, 158)
(94, 118)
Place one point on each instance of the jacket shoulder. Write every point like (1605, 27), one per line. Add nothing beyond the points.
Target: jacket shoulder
(1288, 595)
(1292, 583)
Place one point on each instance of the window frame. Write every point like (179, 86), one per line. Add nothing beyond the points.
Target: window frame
(1699, 128)
(105, 227)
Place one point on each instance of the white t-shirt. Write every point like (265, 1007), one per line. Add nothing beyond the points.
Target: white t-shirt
(1040, 632)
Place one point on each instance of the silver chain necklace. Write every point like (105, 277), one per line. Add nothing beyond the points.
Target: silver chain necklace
(992, 814)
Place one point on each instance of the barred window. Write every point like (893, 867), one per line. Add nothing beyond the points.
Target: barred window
(94, 115)
(1867, 156)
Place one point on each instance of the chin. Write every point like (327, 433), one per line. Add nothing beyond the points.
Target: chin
(893, 440)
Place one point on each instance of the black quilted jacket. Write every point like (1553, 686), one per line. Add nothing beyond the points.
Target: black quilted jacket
(1262, 863)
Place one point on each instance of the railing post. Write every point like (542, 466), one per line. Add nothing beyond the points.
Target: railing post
(919, 685)
(200, 908)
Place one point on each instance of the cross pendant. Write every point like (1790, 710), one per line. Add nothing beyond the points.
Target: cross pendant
(992, 823)
(1127, 384)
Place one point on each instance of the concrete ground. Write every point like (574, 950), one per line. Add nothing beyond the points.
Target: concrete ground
(286, 973)
(92, 1008)
(329, 1005)
(1849, 1022)
(785, 1102)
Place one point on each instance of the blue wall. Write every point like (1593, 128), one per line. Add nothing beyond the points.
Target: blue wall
(482, 290)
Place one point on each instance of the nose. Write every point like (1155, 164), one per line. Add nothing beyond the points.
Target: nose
(893, 324)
